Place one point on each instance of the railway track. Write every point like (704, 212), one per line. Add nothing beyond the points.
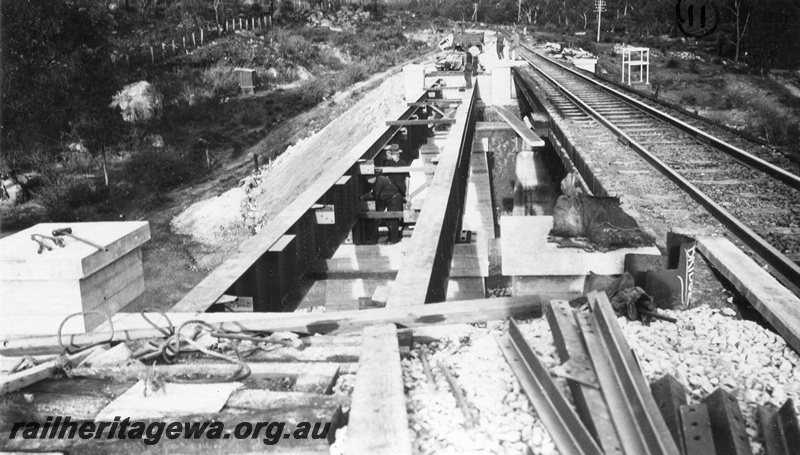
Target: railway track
(713, 172)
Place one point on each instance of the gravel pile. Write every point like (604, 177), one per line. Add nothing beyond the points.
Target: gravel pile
(709, 348)
(505, 422)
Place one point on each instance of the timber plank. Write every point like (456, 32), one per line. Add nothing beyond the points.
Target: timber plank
(378, 422)
(777, 304)
(19, 261)
(465, 311)
(425, 122)
(519, 126)
(309, 354)
(310, 377)
(256, 400)
(423, 277)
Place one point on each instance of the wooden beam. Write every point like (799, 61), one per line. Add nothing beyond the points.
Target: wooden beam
(777, 304)
(424, 122)
(423, 277)
(379, 215)
(378, 422)
(132, 327)
(519, 126)
(24, 378)
(249, 251)
(400, 169)
(435, 102)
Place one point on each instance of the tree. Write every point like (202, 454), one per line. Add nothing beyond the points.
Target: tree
(743, 11)
(774, 37)
(218, 4)
(56, 66)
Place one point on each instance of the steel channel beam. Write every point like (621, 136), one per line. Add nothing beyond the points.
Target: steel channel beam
(621, 408)
(589, 401)
(698, 438)
(784, 267)
(568, 432)
(727, 424)
(780, 429)
(670, 396)
(735, 152)
(632, 383)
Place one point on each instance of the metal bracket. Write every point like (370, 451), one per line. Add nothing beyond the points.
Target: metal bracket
(727, 424)
(780, 429)
(577, 370)
(698, 438)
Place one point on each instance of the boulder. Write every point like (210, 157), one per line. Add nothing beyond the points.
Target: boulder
(140, 102)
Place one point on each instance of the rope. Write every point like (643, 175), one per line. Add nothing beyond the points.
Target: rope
(173, 343)
(79, 348)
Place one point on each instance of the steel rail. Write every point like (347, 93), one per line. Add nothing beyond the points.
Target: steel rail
(624, 410)
(738, 154)
(780, 428)
(589, 402)
(568, 432)
(782, 266)
(653, 428)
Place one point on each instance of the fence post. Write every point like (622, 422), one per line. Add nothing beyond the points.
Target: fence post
(194, 40)
(201, 36)
(152, 56)
(226, 25)
(184, 43)
(240, 23)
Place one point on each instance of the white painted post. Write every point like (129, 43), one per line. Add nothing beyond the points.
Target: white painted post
(201, 36)
(240, 23)
(194, 40)
(184, 43)
(152, 56)
(502, 88)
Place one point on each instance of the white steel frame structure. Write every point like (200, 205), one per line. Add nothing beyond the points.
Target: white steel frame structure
(642, 62)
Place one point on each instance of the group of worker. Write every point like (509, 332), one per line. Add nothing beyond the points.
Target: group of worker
(470, 56)
(390, 193)
(512, 54)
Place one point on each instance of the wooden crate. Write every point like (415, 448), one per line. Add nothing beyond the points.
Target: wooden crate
(247, 80)
(37, 291)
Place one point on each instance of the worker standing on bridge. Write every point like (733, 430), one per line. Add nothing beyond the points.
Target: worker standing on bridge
(499, 45)
(514, 45)
(466, 61)
(387, 198)
(393, 159)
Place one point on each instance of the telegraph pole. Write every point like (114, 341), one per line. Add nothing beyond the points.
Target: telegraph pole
(599, 6)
